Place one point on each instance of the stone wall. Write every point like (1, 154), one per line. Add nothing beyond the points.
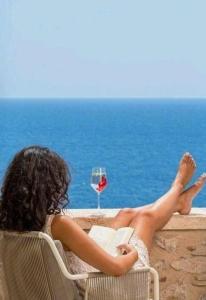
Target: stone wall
(178, 254)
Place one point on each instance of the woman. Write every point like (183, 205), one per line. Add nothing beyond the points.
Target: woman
(35, 189)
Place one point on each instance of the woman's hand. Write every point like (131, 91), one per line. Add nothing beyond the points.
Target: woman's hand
(126, 248)
(127, 259)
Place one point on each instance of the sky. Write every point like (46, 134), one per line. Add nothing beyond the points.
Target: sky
(102, 48)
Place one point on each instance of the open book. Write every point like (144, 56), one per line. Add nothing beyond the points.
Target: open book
(109, 238)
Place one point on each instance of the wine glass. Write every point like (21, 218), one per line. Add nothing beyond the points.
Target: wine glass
(98, 183)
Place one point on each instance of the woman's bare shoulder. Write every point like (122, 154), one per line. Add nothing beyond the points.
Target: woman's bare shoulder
(65, 229)
(60, 221)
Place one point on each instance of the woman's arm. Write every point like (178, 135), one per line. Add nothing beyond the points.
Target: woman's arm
(75, 239)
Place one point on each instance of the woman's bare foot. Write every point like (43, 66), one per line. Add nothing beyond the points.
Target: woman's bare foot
(186, 169)
(187, 196)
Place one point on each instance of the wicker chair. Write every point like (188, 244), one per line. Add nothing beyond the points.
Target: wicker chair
(33, 267)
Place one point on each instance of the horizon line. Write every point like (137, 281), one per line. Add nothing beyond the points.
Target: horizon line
(103, 98)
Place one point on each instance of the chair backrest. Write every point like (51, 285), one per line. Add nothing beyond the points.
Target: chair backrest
(29, 270)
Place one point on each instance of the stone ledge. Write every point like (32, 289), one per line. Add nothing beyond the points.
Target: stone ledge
(86, 217)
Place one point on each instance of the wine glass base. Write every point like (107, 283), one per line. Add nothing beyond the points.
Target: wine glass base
(97, 214)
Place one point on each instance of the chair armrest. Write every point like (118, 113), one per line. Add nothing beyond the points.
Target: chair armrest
(132, 271)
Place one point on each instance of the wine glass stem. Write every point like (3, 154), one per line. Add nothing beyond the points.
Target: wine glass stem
(98, 201)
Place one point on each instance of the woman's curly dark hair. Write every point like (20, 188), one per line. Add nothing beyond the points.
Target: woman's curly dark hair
(35, 185)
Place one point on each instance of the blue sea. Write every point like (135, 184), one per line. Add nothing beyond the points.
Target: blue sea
(139, 142)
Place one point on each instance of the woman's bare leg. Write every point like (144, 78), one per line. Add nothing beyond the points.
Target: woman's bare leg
(149, 219)
(153, 219)
(126, 215)
(184, 174)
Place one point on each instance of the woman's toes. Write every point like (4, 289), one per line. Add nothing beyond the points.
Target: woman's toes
(185, 157)
(201, 180)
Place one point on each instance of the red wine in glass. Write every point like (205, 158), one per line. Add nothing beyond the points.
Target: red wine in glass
(98, 182)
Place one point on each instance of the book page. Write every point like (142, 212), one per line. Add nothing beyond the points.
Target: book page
(122, 236)
(109, 238)
(102, 235)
